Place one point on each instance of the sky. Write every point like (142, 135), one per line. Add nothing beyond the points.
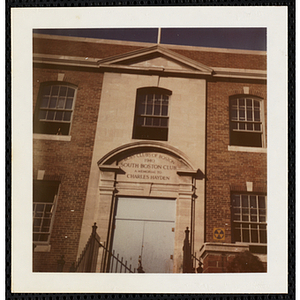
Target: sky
(231, 38)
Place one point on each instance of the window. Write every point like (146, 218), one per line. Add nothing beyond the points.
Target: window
(53, 114)
(249, 218)
(151, 117)
(246, 125)
(44, 202)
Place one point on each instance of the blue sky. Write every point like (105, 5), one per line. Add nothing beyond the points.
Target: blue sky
(232, 38)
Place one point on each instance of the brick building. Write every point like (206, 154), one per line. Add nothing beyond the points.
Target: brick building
(146, 141)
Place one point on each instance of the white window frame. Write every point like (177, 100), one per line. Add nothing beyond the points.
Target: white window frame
(54, 110)
(150, 100)
(147, 119)
(239, 222)
(43, 217)
(244, 121)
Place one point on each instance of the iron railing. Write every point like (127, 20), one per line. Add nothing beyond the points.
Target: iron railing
(115, 263)
(111, 262)
(87, 261)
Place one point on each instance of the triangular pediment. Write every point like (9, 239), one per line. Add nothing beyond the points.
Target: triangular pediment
(162, 62)
(156, 58)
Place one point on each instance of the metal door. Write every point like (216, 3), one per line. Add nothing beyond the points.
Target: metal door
(144, 227)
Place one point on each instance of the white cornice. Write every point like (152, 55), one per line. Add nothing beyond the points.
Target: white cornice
(152, 69)
(217, 50)
(96, 63)
(240, 73)
(72, 61)
(143, 44)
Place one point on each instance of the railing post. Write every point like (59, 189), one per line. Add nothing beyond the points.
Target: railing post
(199, 269)
(102, 268)
(117, 263)
(140, 267)
(187, 255)
(90, 258)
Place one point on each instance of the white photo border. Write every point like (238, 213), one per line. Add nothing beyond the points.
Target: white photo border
(23, 21)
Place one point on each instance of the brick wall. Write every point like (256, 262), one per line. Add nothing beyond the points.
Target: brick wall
(216, 263)
(219, 262)
(81, 49)
(97, 50)
(68, 161)
(226, 60)
(228, 170)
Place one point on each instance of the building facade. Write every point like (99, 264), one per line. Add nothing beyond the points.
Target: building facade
(164, 147)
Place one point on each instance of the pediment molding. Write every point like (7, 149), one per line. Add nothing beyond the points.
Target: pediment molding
(159, 59)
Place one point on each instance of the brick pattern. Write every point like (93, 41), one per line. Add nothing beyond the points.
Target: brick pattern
(81, 49)
(226, 60)
(218, 262)
(214, 263)
(228, 170)
(96, 50)
(70, 162)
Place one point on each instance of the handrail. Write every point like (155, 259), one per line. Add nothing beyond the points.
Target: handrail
(87, 260)
(116, 258)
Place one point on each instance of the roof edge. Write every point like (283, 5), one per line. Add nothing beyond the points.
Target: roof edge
(145, 44)
(95, 64)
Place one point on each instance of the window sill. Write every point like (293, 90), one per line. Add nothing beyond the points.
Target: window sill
(247, 149)
(52, 137)
(42, 248)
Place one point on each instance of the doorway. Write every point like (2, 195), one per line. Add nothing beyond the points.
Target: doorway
(145, 229)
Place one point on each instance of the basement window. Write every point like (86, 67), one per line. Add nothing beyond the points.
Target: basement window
(54, 109)
(246, 122)
(152, 114)
(44, 203)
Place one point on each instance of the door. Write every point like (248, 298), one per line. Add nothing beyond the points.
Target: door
(144, 228)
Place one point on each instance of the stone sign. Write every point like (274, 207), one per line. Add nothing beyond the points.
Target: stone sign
(150, 167)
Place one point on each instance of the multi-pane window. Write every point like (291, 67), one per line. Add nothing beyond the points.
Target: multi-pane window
(44, 202)
(152, 114)
(54, 110)
(249, 218)
(246, 126)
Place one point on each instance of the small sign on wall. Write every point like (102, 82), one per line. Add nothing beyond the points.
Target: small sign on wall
(219, 234)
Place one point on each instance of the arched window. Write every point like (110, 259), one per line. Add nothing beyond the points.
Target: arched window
(54, 109)
(246, 121)
(152, 114)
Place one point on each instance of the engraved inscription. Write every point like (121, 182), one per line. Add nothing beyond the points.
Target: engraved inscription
(150, 167)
